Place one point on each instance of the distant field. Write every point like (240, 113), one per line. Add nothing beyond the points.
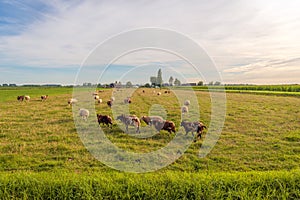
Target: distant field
(279, 90)
(11, 93)
(261, 133)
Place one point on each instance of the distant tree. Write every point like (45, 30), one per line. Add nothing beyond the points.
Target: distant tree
(217, 83)
(87, 84)
(5, 85)
(153, 80)
(211, 83)
(112, 85)
(12, 85)
(159, 79)
(128, 84)
(200, 83)
(171, 79)
(147, 85)
(177, 82)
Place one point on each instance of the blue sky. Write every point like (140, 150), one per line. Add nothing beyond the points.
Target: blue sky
(249, 41)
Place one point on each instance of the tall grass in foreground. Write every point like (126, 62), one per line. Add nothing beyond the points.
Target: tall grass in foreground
(170, 185)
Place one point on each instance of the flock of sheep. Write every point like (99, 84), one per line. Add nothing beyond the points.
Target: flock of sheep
(27, 98)
(132, 120)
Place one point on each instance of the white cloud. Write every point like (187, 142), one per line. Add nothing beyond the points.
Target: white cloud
(241, 36)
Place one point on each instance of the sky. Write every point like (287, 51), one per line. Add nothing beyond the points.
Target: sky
(249, 42)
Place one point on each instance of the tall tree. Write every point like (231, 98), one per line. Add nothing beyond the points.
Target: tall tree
(159, 80)
(128, 84)
(200, 83)
(171, 79)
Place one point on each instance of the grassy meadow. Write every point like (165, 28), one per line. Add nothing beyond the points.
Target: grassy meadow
(256, 156)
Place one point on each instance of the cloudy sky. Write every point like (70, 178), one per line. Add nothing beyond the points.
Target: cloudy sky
(253, 42)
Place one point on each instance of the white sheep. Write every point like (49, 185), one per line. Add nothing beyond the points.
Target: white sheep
(84, 113)
(187, 102)
(184, 109)
(159, 93)
(112, 98)
(97, 98)
(72, 101)
(27, 98)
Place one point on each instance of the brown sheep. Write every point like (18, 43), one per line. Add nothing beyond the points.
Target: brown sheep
(149, 120)
(44, 97)
(165, 125)
(20, 98)
(109, 103)
(200, 129)
(130, 120)
(104, 119)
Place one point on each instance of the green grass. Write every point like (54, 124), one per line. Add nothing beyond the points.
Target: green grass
(278, 90)
(261, 134)
(11, 93)
(169, 185)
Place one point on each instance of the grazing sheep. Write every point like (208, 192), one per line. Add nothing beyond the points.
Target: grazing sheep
(130, 120)
(97, 98)
(104, 119)
(184, 109)
(20, 98)
(100, 101)
(189, 127)
(165, 125)
(109, 103)
(149, 120)
(72, 101)
(143, 91)
(27, 98)
(95, 93)
(159, 93)
(112, 98)
(84, 113)
(187, 102)
(127, 100)
(200, 129)
(100, 90)
(197, 127)
(44, 97)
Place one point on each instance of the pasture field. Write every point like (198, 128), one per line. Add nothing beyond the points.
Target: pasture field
(39, 147)
(278, 90)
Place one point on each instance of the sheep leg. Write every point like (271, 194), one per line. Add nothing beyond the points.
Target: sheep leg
(137, 129)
